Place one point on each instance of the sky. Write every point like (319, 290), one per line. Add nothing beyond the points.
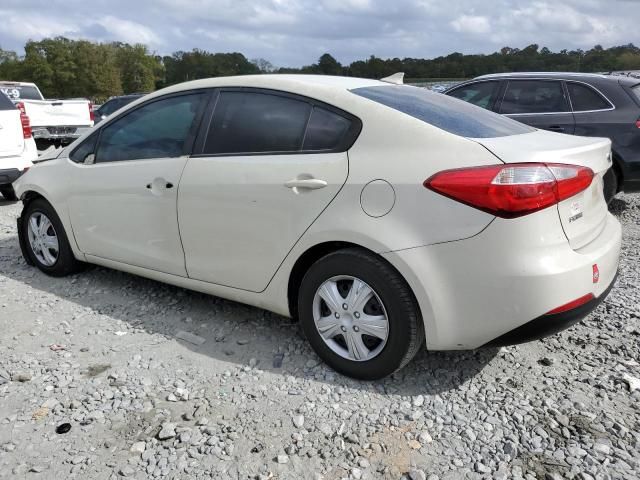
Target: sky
(296, 32)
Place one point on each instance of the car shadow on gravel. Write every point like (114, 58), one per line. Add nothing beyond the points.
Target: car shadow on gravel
(230, 332)
(617, 206)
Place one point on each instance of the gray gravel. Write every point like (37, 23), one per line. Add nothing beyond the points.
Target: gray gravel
(160, 382)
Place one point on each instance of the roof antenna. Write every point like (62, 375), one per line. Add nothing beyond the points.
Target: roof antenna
(396, 78)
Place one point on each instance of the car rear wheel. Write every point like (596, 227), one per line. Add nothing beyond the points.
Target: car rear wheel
(359, 314)
(45, 240)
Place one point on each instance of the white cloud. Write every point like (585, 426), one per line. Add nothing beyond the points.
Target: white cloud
(474, 24)
(297, 32)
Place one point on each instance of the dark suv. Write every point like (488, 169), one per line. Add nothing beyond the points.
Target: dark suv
(574, 103)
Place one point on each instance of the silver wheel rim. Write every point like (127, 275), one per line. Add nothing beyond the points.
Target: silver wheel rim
(43, 239)
(350, 318)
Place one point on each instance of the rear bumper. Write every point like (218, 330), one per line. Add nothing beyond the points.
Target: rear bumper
(10, 175)
(549, 324)
(474, 291)
(59, 133)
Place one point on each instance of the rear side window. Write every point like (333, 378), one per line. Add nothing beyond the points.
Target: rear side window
(326, 130)
(584, 98)
(5, 103)
(249, 122)
(482, 94)
(442, 111)
(21, 92)
(156, 130)
(534, 96)
(636, 91)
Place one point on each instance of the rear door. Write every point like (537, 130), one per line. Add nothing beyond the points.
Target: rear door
(540, 103)
(269, 164)
(11, 137)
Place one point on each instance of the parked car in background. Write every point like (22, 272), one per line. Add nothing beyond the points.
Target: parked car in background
(17, 148)
(574, 103)
(113, 104)
(378, 215)
(53, 122)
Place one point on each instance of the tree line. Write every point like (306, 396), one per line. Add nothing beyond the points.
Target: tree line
(66, 68)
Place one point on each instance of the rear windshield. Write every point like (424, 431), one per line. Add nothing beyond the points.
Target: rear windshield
(450, 114)
(5, 103)
(21, 92)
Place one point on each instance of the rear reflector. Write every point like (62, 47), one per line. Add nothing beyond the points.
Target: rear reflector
(511, 190)
(571, 305)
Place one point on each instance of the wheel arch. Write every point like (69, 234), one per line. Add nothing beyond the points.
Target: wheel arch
(313, 254)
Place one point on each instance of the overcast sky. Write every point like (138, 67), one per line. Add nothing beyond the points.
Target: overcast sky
(297, 32)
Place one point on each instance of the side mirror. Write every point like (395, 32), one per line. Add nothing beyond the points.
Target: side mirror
(90, 159)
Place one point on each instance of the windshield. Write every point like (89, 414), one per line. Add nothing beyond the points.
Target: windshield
(450, 114)
(21, 92)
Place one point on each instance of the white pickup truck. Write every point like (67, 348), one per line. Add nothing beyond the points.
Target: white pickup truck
(53, 122)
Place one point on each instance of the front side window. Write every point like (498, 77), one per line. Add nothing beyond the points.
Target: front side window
(250, 122)
(444, 112)
(86, 148)
(482, 94)
(534, 96)
(156, 130)
(584, 98)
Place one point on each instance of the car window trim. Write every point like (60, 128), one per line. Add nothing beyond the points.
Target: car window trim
(602, 95)
(347, 142)
(191, 136)
(562, 86)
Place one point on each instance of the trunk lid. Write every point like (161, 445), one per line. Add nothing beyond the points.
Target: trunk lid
(584, 215)
(11, 137)
(47, 113)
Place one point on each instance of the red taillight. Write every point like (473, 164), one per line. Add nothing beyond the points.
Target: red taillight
(511, 190)
(571, 305)
(24, 120)
(638, 123)
(91, 115)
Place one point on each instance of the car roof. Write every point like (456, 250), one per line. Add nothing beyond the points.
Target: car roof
(294, 83)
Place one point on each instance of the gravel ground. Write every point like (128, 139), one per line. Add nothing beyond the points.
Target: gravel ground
(242, 396)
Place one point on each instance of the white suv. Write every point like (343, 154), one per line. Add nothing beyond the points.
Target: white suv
(17, 147)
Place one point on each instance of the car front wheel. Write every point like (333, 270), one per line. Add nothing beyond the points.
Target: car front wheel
(359, 314)
(45, 240)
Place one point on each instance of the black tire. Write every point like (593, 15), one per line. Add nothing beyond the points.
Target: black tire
(8, 193)
(65, 263)
(611, 183)
(405, 329)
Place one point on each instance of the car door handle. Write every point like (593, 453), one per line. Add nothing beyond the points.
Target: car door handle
(556, 128)
(159, 181)
(308, 183)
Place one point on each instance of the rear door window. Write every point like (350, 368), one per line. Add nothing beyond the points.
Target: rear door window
(482, 94)
(585, 98)
(442, 111)
(325, 131)
(534, 96)
(252, 122)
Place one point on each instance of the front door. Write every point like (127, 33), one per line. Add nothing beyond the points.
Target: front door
(270, 165)
(123, 201)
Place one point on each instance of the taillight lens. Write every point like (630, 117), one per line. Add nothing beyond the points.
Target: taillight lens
(24, 120)
(91, 114)
(511, 190)
(638, 123)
